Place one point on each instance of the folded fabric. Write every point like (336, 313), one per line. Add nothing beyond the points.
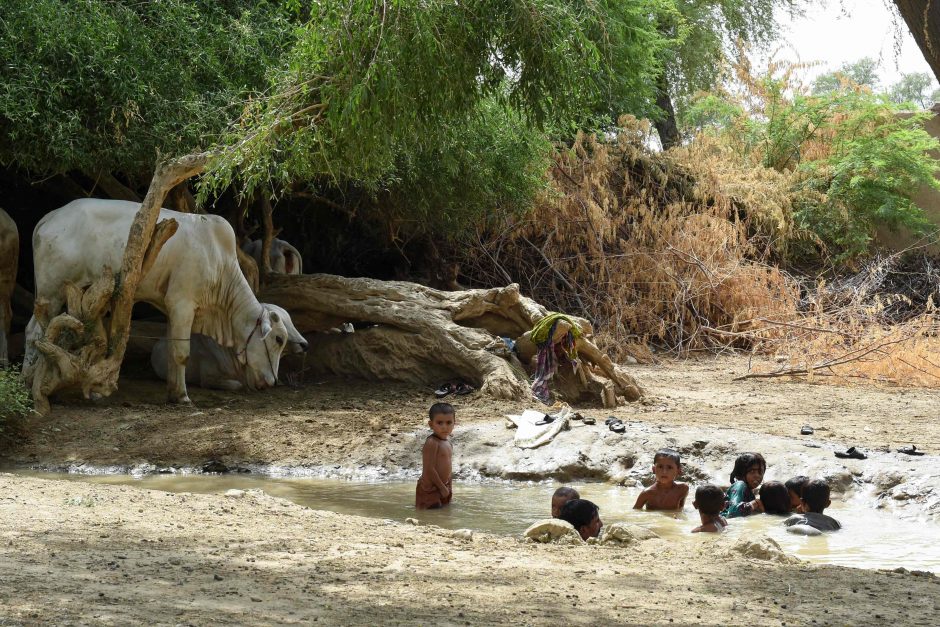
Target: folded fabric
(529, 434)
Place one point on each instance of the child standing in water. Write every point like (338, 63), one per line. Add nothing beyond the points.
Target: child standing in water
(748, 473)
(666, 493)
(434, 486)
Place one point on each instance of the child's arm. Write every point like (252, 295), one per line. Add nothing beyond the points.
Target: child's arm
(429, 460)
(642, 499)
(738, 503)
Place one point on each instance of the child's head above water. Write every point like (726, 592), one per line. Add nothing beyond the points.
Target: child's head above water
(441, 419)
(775, 498)
(666, 466)
(816, 496)
(709, 499)
(584, 516)
(795, 487)
(749, 468)
(562, 495)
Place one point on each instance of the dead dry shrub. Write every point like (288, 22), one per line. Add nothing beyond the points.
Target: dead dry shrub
(669, 249)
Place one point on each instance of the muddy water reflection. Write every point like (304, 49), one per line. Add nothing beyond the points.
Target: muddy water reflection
(869, 539)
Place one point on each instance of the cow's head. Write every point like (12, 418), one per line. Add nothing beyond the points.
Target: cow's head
(262, 353)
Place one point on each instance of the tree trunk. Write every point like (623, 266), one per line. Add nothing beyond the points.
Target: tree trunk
(923, 20)
(423, 335)
(666, 126)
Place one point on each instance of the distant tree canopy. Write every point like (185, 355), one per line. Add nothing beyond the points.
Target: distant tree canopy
(861, 73)
(917, 88)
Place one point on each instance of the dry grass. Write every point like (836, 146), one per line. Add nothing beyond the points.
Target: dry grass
(648, 247)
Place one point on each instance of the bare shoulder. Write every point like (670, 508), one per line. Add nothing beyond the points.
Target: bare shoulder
(683, 488)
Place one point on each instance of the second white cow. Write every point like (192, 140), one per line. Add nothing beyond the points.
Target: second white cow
(285, 259)
(195, 281)
(212, 366)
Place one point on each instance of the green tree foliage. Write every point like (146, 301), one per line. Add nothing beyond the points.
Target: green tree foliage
(370, 83)
(917, 89)
(861, 73)
(856, 160)
(105, 85)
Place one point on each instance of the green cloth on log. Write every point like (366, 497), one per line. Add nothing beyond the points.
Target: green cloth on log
(541, 332)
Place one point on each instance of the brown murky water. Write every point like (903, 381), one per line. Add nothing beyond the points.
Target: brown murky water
(870, 538)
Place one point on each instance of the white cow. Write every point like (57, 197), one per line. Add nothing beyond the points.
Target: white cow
(212, 366)
(195, 281)
(285, 259)
(9, 254)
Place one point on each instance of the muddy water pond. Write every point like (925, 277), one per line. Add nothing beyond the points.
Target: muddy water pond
(870, 538)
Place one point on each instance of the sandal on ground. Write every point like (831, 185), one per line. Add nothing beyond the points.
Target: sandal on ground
(617, 426)
(545, 420)
(577, 416)
(589, 420)
(910, 450)
(611, 420)
(851, 453)
(444, 390)
(463, 389)
(807, 430)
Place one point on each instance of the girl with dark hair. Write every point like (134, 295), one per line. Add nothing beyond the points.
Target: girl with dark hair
(748, 473)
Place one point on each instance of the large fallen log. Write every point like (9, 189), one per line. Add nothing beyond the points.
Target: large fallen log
(422, 335)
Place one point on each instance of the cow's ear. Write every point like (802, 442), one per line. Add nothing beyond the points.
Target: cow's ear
(275, 318)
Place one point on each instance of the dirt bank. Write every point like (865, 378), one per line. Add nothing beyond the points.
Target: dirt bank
(100, 554)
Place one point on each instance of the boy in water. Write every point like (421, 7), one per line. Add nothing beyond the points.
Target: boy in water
(562, 495)
(434, 486)
(815, 500)
(584, 516)
(666, 493)
(709, 501)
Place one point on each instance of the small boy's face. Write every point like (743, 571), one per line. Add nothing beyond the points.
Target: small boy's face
(754, 476)
(442, 425)
(666, 470)
(593, 528)
(796, 503)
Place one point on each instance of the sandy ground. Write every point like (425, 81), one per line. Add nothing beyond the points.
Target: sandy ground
(80, 553)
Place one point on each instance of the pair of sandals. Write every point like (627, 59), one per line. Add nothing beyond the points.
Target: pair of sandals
(854, 453)
(460, 389)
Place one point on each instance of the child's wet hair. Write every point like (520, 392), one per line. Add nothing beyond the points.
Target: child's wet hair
(797, 484)
(709, 499)
(745, 462)
(440, 408)
(565, 492)
(668, 454)
(775, 498)
(816, 495)
(578, 512)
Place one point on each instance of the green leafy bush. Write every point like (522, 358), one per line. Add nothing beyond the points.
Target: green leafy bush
(14, 397)
(857, 159)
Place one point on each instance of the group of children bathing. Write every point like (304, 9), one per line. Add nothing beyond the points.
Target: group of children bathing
(801, 499)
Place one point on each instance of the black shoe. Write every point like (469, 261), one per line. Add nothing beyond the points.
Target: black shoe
(851, 453)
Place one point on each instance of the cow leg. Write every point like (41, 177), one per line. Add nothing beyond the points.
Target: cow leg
(178, 332)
